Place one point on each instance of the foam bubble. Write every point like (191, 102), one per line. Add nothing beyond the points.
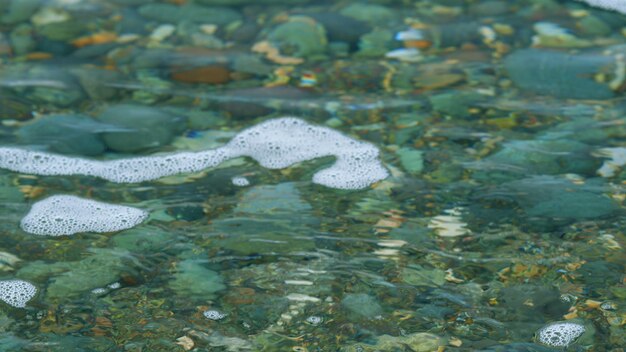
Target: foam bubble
(240, 181)
(275, 144)
(560, 333)
(17, 293)
(67, 215)
(214, 315)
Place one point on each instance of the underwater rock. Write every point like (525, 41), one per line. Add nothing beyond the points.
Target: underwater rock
(561, 74)
(101, 268)
(249, 103)
(212, 74)
(416, 342)
(146, 239)
(20, 11)
(66, 134)
(455, 104)
(67, 215)
(412, 160)
(63, 31)
(300, 37)
(375, 15)
(95, 82)
(22, 41)
(268, 219)
(518, 347)
(552, 197)
(193, 279)
(376, 43)
(252, 2)
(532, 303)
(13, 106)
(167, 13)
(146, 127)
(362, 305)
(47, 84)
(546, 157)
(340, 28)
(547, 200)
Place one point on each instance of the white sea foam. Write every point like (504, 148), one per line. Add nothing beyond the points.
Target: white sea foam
(560, 334)
(615, 5)
(67, 215)
(17, 293)
(275, 144)
(240, 181)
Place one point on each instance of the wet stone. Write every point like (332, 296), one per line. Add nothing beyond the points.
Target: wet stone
(145, 239)
(19, 11)
(552, 197)
(268, 219)
(546, 302)
(95, 82)
(375, 15)
(546, 157)
(519, 347)
(143, 127)
(167, 13)
(300, 36)
(65, 134)
(62, 91)
(558, 73)
(70, 279)
(21, 38)
(214, 74)
(195, 280)
(252, 2)
(361, 305)
(12, 106)
(340, 28)
(417, 342)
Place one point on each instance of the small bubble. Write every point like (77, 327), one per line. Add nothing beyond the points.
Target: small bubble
(214, 315)
(314, 320)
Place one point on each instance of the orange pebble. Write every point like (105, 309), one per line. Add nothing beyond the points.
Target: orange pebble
(38, 56)
(96, 38)
(417, 44)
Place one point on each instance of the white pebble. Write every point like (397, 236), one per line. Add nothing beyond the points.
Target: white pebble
(162, 32)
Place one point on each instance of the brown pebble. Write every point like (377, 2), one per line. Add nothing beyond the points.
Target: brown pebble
(213, 74)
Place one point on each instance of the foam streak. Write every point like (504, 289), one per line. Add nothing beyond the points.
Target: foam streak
(275, 144)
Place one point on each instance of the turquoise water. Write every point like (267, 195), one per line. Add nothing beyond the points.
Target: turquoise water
(480, 206)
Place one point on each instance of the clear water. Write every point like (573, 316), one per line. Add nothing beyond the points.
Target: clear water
(501, 124)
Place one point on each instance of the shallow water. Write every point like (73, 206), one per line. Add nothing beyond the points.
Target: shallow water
(500, 123)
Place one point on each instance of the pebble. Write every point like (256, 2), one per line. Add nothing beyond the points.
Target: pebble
(162, 32)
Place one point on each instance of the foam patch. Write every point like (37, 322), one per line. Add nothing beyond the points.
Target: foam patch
(275, 144)
(67, 215)
(17, 293)
(560, 334)
(614, 5)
